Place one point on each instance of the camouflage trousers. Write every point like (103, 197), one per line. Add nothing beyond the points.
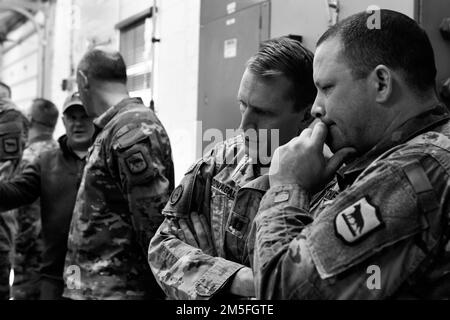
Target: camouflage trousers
(28, 289)
(5, 267)
(28, 253)
(8, 229)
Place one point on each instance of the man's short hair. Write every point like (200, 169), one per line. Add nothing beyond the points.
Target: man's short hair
(8, 89)
(44, 112)
(103, 65)
(400, 44)
(285, 56)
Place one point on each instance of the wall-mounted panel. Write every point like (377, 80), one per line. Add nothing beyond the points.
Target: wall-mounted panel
(216, 9)
(310, 18)
(226, 45)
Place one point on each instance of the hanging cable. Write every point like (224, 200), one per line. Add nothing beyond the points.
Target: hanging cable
(153, 50)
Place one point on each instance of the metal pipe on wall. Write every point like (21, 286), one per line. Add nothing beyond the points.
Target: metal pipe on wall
(153, 50)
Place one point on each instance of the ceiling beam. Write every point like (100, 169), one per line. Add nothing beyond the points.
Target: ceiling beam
(23, 4)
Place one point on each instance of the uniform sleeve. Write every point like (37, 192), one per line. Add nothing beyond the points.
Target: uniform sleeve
(145, 171)
(21, 190)
(363, 245)
(185, 272)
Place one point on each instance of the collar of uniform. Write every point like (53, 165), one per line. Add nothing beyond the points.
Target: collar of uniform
(243, 172)
(253, 172)
(408, 130)
(66, 149)
(106, 117)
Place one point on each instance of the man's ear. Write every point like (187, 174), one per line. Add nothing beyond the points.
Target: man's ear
(382, 79)
(84, 81)
(305, 119)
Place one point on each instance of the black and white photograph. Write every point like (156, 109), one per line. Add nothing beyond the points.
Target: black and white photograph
(218, 158)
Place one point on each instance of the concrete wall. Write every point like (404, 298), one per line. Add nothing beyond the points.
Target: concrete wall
(175, 72)
(62, 45)
(177, 77)
(310, 18)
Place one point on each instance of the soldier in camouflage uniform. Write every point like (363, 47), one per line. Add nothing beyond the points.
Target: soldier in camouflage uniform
(386, 234)
(126, 182)
(29, 246)
(53, 178)
(13, 133)
(203, 248)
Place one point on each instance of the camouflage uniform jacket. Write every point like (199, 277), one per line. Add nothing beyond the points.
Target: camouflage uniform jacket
(126, 182)
(226, 188)
(383, 236)
(8, 230)
(29, 245)
(13, 133)
(54, 178)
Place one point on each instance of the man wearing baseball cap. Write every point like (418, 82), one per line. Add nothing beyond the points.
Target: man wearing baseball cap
(54, 177)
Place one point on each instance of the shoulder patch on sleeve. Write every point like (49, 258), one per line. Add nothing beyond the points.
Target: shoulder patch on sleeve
(357, 221)
(136, 163)
(176, 195)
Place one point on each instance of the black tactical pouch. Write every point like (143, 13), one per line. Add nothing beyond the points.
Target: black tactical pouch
(11, 147)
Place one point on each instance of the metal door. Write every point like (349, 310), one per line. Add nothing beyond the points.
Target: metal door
(226, 44)
(430, 14)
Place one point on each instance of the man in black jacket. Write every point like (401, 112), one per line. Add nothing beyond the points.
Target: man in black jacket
(54, 177)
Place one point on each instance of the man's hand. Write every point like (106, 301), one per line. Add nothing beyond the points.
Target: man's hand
(243, 284)
(302, 161)
(201, 230)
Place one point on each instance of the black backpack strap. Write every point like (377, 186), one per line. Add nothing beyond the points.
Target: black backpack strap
(426, 195)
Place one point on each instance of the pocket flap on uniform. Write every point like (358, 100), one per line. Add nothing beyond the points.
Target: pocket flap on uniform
(344, 235)
(128, 136)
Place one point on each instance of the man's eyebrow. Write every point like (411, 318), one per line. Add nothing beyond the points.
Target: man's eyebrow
(255, 107)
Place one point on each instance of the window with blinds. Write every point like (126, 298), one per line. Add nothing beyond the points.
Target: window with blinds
(135, 42)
